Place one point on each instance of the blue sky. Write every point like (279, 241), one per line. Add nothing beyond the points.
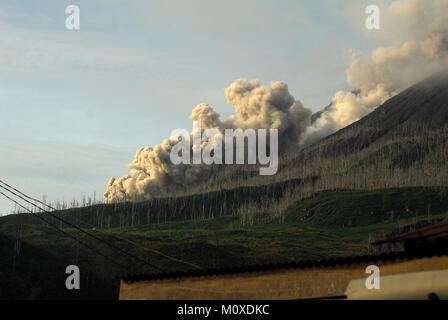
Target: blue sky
(75, 105)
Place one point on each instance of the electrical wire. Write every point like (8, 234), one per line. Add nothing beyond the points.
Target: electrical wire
(81, 230)
(62, 231)
(115, 236)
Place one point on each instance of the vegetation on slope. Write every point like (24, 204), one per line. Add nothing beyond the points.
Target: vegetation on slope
(328, 224)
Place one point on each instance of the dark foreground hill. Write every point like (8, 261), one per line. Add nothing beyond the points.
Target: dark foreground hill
(328, 224)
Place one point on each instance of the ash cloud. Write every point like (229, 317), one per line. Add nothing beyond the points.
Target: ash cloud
(416, 32)
(256, 107)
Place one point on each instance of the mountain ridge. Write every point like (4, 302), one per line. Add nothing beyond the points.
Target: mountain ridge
(408, 105)
(403, 143)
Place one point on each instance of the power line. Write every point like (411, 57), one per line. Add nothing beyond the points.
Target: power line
(62, 231)
(115, 236)
(81, 230)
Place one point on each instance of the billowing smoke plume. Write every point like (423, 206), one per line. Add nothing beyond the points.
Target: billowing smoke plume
(417, 33)
(256, 107)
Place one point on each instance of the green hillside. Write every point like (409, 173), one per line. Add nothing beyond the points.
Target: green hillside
(328, 224)
(360, 208)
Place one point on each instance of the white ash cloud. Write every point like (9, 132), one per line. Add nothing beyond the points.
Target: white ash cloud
(418, 32)
(256, 107)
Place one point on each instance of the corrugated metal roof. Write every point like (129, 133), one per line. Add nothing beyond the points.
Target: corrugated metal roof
(306, 264)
